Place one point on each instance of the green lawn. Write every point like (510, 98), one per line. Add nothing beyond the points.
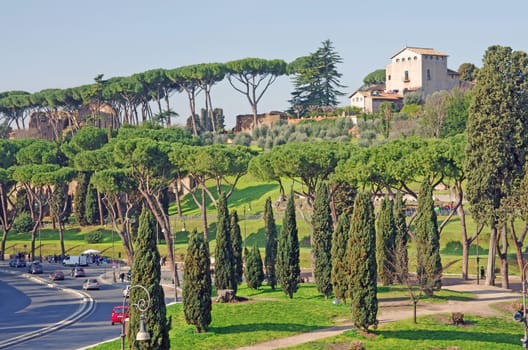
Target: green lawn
(270, 314)
(432, 332)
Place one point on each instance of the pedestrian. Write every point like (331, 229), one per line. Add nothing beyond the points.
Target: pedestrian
(482, 273)
(122, 277)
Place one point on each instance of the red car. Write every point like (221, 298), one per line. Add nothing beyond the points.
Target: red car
(117, 314)
(57, 276)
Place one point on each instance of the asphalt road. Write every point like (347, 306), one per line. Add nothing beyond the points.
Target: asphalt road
(26, 306)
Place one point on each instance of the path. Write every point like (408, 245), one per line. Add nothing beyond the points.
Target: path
(399, 310)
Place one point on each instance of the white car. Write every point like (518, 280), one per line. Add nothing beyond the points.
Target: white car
(126, 291)
(91, 283)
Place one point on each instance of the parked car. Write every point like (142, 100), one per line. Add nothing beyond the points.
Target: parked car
(126, 291)
(17, 263)
(118, 312)
(35, 268)
(78, 272)
(57, 275)
(91, 283)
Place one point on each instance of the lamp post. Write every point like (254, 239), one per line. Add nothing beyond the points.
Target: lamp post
(478, 262)
(142, 305)
(113, 259)
(40, 244)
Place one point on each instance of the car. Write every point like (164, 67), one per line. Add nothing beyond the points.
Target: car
(78, 272)
(57, 275)
(17, 263)
(126, 291)
(35, 268)
(117, 314)
(90, 284)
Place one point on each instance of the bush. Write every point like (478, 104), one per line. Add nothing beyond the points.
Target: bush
(23, 223)
(94, 237)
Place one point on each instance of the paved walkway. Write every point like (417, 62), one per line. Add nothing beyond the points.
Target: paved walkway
(399, 310)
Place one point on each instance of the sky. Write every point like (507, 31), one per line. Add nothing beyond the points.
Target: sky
(64, 43)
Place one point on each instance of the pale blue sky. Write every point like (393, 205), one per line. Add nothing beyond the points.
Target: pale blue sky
(64, 43)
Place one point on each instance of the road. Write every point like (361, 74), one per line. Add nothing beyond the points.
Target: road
(33, 306)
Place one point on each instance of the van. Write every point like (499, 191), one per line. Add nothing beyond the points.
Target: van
(74, 260)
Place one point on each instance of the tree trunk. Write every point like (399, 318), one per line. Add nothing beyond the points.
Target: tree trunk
(61, 239)
(177, 197)
(415, 302)
(503, 255)
(100, 206)
(518, 243)
(490, 276)
(465, 258)
(204, 216)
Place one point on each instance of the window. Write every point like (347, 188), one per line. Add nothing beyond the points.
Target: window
(428, 74)
(389, 77)
(406, 77)
(397, 60)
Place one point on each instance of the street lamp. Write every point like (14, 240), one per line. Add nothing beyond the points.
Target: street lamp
(40, 244)
(113, 259)
(142, 305)
(478, 262)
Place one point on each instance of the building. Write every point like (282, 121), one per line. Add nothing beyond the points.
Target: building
(244, 122)
(412, 69)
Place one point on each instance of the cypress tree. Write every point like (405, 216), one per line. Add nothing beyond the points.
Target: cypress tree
(236, 246)
(339, 259)
(225, 277)
(271, 244)
(429, 265)
(288, 269)
(146, 272)
(496, 149)
(254, 270)
(91, 209)
(79, 198)
(197, 283)
(361, 254)
(401, 258)
(322, 240)
(385, 236)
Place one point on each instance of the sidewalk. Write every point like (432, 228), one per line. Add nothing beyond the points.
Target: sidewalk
(400, 310)
(166, 281)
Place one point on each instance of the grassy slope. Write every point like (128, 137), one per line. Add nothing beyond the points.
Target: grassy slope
(251, 195)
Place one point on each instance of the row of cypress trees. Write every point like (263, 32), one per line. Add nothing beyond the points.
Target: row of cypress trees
(362, 249)
(348, 260)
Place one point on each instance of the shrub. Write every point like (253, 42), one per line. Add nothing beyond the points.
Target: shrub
(23, 223)
(94, 237)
